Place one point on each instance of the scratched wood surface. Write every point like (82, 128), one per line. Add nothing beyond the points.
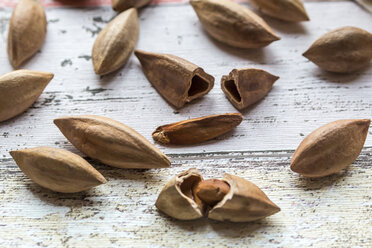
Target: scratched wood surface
(335, 211)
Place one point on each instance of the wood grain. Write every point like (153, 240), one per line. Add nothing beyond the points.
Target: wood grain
(333, 212)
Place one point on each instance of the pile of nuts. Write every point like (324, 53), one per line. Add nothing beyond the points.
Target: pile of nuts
(327, 150)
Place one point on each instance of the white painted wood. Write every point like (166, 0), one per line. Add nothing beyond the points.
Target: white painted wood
(333, 212)
(303, 99)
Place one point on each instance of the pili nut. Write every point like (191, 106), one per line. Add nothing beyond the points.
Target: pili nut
(111, 142)
(57, 169)
(233, 24)
(343, 50)
(188, 197)
(177, 80)
(121, 5)
(197, 130)
(244, 87)
(115, 43)
(287, 10)
(27, 31)
(19, 90)
(330, 148)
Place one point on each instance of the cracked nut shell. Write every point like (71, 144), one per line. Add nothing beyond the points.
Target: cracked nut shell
(188, 197)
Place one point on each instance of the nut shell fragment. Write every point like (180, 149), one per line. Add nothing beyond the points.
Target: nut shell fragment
(177, 80)
(197, 130)
(27, 31)
(287, 10)
(244, 87)
(244, 203)
(19, 90)
(121, 5)
(176, 200)
(330, 148)
(115, 43)
(58, 170)
(111, 142)
(233, 24)
(343, 50)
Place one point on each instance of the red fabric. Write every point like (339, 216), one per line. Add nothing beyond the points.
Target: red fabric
(85, 3)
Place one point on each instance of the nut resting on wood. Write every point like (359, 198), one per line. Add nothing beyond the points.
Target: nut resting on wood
(19, 90)
(343, 50)
(177, 80)
(27, 31)
(121, 5)
(197, 130)
(111, 142)
(233, 24)
(115, 43)
(187, 197)
(244, 87)
(57, 169)
(330, 148)
(286, 10)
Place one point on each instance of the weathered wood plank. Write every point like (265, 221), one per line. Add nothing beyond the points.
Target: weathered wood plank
(333, 211)
(303, 99)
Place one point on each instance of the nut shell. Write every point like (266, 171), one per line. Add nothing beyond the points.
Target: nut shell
(245, 202)
(175, 199)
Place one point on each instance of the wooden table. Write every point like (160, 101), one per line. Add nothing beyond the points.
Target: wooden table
(335, 211)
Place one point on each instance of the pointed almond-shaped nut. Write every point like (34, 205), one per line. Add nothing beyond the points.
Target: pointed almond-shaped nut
(330, 148)
(197, 130)
(177, 80)
(19, 90)
(233, 24)
(176, 198)
(287, 10)
(111, 142)
(244, 87)
(57, 169)
(115, 43)
(343, 50)
(27, 31)
(245, 202)
(121, 5)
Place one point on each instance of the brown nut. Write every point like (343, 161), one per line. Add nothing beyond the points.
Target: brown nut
(330, 148)
(234, 199)
(233, 24)
(211, 191)
(343, 50)
(57, 169)
(121, 5)
(287, 10)
(27, 31)
(176, 198)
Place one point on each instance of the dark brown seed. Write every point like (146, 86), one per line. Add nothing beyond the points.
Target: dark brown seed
(196, 130)
(211, 191)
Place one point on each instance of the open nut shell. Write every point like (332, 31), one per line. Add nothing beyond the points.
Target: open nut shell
(245, 202)
(244, 87)
(175, 199)
(177, 80)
